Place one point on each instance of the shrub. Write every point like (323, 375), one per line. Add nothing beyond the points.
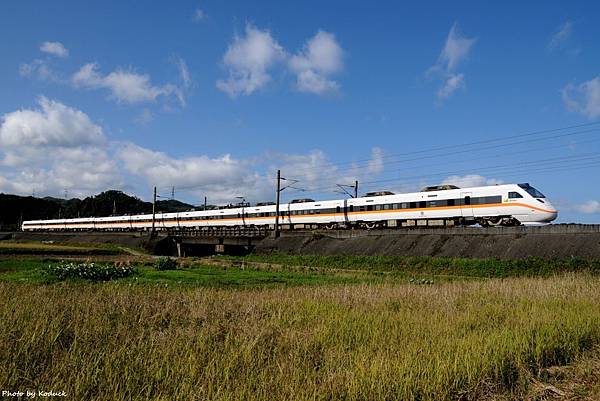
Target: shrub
(165, 263)
(89, 271)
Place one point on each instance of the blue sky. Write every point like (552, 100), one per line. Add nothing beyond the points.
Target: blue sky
(212, 97)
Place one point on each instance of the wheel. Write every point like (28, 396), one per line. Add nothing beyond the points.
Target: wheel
(510, 222)
(491, 221)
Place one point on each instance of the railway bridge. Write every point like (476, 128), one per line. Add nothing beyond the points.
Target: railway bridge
(232, 240)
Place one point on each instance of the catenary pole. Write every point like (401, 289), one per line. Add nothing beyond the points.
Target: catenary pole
(277, 204)
(153, 211)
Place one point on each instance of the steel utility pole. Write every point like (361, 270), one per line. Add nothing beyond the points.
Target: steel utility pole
(205, 203)
(153, 212)
(343, 188)
(277, 204)
(279, 189)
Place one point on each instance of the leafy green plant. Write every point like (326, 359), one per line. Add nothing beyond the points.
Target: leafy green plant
(165, 263)
(88, 271)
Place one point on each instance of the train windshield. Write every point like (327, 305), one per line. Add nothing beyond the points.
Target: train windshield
(532, 191)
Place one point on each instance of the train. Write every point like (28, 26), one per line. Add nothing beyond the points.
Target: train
(440, 205)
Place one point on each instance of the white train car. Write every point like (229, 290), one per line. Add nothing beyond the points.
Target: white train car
(506, 205)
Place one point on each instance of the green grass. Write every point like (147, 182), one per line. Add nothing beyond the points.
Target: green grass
(198, 275)
(459, 340)
(23, 270)
(527, 267)
(211, 276)
(32, 248)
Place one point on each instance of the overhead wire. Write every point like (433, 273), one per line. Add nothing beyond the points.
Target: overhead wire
(454, 146)
(464, 151)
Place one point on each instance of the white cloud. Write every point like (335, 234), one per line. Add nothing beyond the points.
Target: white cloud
(82, 171)
(453, 82)
(51, 148)
(125, 86)
(199, 15)
(53, 124)
(54, 48)
(248, 60)
(321, 56)
(583, 98)
(316, 172)
(39, 69)
(471, 180)
(184, 72)
(55, 147)
(222, 179)
(589, 207)
(561, 36)
(455, 51)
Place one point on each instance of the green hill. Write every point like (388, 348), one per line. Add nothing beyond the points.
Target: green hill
(14, 208)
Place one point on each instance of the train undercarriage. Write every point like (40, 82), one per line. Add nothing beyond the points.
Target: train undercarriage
(494, 221)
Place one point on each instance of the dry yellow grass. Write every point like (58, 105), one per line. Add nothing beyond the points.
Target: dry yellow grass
(461, 340)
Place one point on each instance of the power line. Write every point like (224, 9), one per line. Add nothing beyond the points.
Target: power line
(464, 151)
(527, 175)
(489, 169)
(448, 147)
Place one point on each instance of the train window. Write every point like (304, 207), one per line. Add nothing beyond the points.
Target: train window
(422, 204)
(412, 205)
(369, 207)
(337, 209)
(387, 206)
(432, 204)
(490, 199)
(351, 208)
(377, 207)
(514, 195)
(467, 200)
(450, 202)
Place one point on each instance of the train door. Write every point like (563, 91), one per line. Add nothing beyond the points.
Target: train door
(466, 209)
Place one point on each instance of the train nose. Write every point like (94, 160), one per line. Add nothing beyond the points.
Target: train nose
(550, 214)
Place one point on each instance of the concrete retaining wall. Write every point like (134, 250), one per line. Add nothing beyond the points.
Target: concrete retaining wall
(555, 241)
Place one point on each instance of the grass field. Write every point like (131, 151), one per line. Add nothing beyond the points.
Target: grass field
(300, 328)
(440, 266)
(467, 340)
(35, 248)
(199, 275)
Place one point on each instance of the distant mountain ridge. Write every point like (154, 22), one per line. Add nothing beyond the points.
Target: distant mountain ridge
(15, 208)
